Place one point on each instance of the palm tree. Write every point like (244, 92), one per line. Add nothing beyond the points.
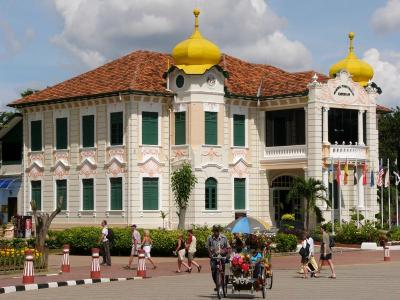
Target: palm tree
(310, 190)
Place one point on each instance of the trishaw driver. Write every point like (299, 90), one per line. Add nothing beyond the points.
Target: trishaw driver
(217, 244)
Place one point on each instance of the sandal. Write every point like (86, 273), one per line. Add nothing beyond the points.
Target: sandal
(199, 269)
(332, 277)
(127, 267)
(177, 271)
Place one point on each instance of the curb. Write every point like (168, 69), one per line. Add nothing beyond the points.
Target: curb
(49, 285)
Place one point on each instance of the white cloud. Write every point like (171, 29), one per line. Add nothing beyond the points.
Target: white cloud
(387, 75)
(97, 31)
(9, 43)
(387, 18)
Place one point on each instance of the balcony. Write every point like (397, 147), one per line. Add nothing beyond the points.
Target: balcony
(294, 152)
(337, 151)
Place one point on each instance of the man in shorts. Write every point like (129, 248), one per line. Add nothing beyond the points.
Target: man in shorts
(217, 244)
(191, 250)
(136, 245)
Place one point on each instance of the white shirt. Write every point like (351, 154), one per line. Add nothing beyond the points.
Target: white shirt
(310, 241)
(104, 231)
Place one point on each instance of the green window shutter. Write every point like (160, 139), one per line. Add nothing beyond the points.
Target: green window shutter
(150, 193)
(211, 194)
(180, 128)
(116, 193)
(149, 128)
(211, 128)
(87, 194)
(240, 193)
(239, 130)
(36, 135)
(36, 193)
(61, 186)
(88, 131)
(117, 128)
(61, 133)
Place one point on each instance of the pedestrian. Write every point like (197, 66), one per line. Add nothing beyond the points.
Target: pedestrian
(312, 263)
(191, 248)
(217, 245)
(326, 252)
(146, 246)
(180, 250)
(105, 244)
(136, 245)
(304, 253)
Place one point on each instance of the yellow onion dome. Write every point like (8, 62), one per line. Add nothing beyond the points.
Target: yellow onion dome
(361, 71)
(196, 54)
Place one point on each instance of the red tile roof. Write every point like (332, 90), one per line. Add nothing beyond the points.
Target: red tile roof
(142, 71)
(382, 109)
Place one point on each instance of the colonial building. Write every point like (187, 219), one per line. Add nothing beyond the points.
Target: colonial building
(109, 139)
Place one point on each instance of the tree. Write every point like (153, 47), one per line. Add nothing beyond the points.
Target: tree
(5, 116)
(310, 190)
(43, 221)
(389, 135)
(183, 181)
(28, 92)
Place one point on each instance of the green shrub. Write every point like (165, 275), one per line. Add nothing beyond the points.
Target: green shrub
(285, 242)
(288, 217)
(394, 234)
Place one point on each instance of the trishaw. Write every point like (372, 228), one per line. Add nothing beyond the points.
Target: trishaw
(248, 270)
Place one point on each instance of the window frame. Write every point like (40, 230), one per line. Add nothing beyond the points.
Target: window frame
(56, 194)
(82, 196)
(244, 130)
(206, 192)
(110, 136)
(41, 135)
(246, 185)
(207, 138)
(144, 128)
(94, 130)
(56, 146)
(110, 193)
(41, 193)
(158, 194)
(184, 127)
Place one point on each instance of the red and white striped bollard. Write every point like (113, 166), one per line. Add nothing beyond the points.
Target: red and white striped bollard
(386, 253)
(141, 267)
(95, 270)
(28, 275)
(65, 265)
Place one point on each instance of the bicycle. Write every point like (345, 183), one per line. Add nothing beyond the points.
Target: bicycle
(220, 284)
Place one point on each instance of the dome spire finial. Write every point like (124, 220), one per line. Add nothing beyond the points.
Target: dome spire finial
(196, 13)
(351, 38)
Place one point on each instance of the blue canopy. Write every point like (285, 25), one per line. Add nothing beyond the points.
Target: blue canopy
(5, 183)
(246, 225)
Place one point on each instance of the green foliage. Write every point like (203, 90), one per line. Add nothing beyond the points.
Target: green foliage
(394, 234)
(348, 233)
(389, 135)
(288, 217)
(285, 242)
(354, 215)
(311, 190)
(183, 181)
(28, 92)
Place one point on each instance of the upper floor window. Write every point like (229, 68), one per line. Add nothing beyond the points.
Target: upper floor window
(116, 128)
(149, 128)
(343, 126)
(36, 135)
(180, 128)
(285, 127)
(210, 128)
(211, 193)
(11, 145)
(239, 131)
(61, 133)
(88, 131)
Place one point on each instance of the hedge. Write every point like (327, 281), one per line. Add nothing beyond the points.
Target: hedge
(82, 239)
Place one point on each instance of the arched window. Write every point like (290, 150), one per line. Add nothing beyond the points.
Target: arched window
(211, 193)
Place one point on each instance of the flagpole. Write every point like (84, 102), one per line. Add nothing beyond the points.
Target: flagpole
(340, 194)
(333, 197)
(358, 196)
(381, 196)
(397, 196)
(390, 218)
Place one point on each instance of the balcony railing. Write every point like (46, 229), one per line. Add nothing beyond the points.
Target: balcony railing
(347, 151)
(294, 152)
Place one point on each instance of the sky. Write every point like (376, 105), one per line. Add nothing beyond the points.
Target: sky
(43, 42)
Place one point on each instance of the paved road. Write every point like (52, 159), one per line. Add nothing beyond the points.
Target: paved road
(378, 281)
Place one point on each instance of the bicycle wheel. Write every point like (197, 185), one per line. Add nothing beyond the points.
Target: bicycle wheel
(269, 280)
(224, 286)
(219, 286)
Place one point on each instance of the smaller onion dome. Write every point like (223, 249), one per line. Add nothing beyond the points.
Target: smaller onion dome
(196, 54)
(361, 71)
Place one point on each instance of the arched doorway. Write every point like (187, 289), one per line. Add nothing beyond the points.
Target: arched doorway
(282, 204)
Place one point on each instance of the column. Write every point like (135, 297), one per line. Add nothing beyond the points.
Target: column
(325, 126)
(360, 187)
(325, 180)
(360, 127)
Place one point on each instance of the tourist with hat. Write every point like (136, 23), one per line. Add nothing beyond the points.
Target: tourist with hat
(136, 245)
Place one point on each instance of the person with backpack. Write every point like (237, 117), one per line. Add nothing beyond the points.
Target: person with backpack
(105, 239)
(326, 252)
(305, 253)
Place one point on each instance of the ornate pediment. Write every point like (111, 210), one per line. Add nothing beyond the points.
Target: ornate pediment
(151, 167)
(239, 168)
(343, 91)
(87, 166)
(35, 168)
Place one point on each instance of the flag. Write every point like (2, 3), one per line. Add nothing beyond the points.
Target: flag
(330, 172)
(372, 183)
(355, 173)
(346, 172)
(396, 174)
(387, 178)
(379, 177)
(364, 174)
(338, 173)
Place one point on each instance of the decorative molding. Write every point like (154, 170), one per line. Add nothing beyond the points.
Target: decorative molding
(239, 153)
(211, 153)
(36, 165)
(151, 167)
(87, 166)
(239, 168)
(61, 163)
(116, 164)
(213, 107)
